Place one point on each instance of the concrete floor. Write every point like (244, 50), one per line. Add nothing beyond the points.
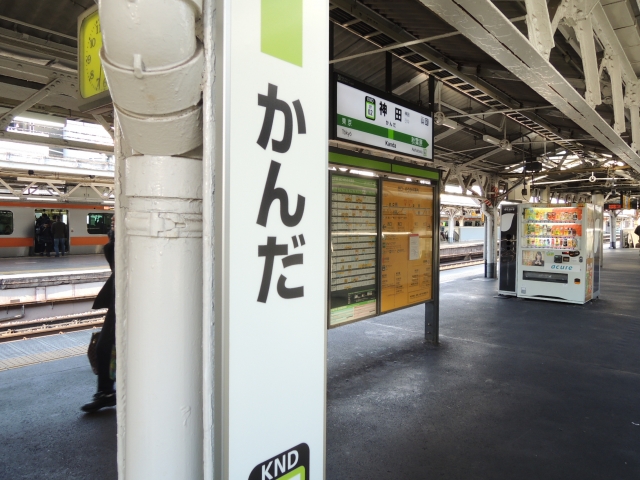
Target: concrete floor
(518, 389)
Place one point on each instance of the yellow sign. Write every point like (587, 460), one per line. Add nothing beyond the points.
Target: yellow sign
(90, 72)
(407, 245)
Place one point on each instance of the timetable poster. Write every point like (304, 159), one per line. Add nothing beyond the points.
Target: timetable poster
(354, 236)
(407, 244)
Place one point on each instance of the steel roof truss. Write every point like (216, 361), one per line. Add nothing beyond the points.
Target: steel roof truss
(482, 23)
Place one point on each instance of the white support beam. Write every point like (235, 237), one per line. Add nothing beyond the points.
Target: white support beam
(584, 34)
(539, 26)
(483, 24)
(8, 117)
(484, 156)
(414, 82)
(612, 64)
(104, 124)
(55, 142)
(634, 110)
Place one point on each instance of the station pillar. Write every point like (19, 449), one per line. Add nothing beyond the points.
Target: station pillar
(490, 242)
(452, 229)
(613, 237)
(598, 200)
(147, 50)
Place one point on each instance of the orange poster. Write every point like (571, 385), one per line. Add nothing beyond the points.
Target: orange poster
(407, 244)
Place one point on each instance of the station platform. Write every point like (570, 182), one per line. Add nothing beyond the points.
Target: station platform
(517, 388)
(40, 280)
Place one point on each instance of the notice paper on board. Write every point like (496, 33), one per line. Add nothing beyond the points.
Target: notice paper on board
(414, 246)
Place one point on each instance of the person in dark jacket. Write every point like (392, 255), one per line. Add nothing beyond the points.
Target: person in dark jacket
(59, 230)
(46, 237)
(106, 298)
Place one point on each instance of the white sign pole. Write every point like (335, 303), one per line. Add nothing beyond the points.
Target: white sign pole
(271, 238)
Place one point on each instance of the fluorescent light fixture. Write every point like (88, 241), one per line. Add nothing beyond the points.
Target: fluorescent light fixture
(40, 180)
(362, 172)
(491, 140)
(343, 169)
(607, 155)
(503, 144)
(109, 202)
(440, 119)
(408, 179)
(44, 199)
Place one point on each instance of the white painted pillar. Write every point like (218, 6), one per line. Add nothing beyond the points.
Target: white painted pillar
(452, 229)
(598, 200)
(490, 245)
(614, 225)
(154, 63)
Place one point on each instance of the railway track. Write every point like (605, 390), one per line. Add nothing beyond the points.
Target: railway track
(15, 329)
(20, 329)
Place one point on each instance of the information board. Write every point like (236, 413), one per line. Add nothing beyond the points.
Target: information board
(354, 239)
(367, 117)
(407, 244)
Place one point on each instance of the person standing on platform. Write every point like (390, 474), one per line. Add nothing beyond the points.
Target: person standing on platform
(637, 231)
(47, 239)
(106, 396)
(59, 231)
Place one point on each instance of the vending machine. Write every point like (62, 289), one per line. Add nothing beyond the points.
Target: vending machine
(559, 252)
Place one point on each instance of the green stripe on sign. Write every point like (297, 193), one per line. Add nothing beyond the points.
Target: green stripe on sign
(281, 30)
(366, 127)
(341, 159)
(415, 172)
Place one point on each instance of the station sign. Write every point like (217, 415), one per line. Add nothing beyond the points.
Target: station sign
(271, 230)
(367, 116)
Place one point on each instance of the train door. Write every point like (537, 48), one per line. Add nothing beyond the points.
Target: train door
(44, 217)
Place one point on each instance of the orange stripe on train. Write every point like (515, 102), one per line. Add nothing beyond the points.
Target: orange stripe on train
(75, 241)
(16, 242)
(93, 240)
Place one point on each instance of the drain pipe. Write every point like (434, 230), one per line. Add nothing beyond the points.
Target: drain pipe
(153, 63)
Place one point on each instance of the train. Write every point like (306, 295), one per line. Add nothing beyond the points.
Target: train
(87, 226)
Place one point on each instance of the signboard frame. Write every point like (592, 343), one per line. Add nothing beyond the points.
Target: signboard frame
(333, 109)
(435, 222)
(330, 256)
(384, 168)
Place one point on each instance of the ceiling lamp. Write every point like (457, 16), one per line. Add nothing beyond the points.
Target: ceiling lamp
(440, 119)
(503, 144)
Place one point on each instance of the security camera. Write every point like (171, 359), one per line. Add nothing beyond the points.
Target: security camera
(524, 192)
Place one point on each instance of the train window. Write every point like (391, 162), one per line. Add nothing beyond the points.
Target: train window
(6, 222)
(99, 223)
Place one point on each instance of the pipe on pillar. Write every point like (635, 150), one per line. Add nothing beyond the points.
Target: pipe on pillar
(153, 63)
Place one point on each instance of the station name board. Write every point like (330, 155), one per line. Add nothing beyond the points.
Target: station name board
(365, 116)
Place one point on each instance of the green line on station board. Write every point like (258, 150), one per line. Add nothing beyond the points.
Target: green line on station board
(416, 172)
(359, 162)
(366, 127)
